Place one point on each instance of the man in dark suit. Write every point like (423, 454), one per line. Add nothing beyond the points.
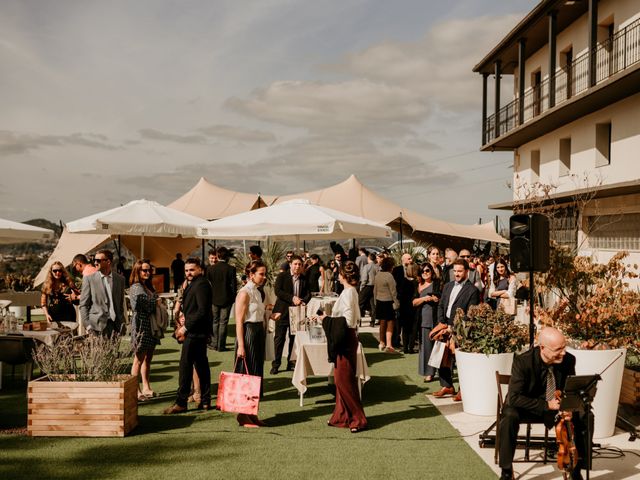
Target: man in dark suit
(291, 290)
(222, 278)
(102, 297)
(198, 326)
(457, 294)
(535, 376)
(406, 289)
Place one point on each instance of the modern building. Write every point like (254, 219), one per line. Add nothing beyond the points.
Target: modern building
(573, 121)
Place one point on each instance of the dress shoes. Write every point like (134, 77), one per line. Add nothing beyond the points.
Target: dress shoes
(174, 409)
(291, 366)
(444, 391)
(506, 475)
(273, 371)
(204, 406)
(576, 475)
(458, 397)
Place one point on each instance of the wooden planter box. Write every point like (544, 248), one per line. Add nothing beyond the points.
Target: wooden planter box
(82, 409)
(630, 392)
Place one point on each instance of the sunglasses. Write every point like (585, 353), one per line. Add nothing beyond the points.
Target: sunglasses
(145, 270)
(99, 260)
(57, 271)
(465, 256)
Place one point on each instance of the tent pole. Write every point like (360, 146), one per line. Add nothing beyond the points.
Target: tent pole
(202, 248)
(400, 230)
(141, 246)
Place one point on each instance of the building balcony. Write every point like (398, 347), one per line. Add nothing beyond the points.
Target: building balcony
(617, 76)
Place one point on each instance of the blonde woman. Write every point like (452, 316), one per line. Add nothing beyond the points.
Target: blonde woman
(58, 295)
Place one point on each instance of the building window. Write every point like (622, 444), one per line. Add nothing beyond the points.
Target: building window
(563, 227)
(603, 144)
(615, 232)
(565, 156)
(535, 164)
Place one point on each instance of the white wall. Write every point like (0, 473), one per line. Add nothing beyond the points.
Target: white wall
(625, 149)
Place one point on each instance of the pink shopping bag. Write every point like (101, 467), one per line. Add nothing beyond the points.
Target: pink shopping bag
(238, 392)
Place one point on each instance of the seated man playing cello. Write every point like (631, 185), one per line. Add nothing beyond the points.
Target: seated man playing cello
(536, 375)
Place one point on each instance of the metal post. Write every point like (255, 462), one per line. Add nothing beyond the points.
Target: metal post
(400, 230)
(531, 309)
(497, 97)
(553, 32)
(593, 40)
(484, 107)
(521, 81)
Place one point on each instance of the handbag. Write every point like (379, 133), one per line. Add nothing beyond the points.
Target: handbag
(437, 354)
(508, 305)
(238, 392)
(297, 317)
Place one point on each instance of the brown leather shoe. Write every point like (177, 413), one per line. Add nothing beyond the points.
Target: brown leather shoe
(458, 397)
(174, 409)
(444, 391)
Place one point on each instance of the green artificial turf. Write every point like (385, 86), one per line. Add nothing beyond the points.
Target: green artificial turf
(407, 437)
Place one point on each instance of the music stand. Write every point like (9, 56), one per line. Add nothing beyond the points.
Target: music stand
(579, 391)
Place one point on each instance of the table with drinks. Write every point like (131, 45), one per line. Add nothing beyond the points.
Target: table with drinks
(310, 349)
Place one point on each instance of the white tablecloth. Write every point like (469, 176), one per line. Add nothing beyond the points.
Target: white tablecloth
(311, 360)
(45, 336)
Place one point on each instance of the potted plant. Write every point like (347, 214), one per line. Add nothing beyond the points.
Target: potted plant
(600, 314)
(85, 391)
(486, 340)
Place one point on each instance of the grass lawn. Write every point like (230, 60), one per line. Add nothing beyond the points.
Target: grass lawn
(407, 437)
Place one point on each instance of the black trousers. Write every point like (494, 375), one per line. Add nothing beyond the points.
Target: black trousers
(220, 322)
(510, 422)
(254, 338)
(446, 375)
(194, 353)
(279, 338)
(409, 330)
(365, 299)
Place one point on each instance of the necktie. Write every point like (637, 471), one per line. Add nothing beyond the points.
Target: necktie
(551, 385)
(296, 286)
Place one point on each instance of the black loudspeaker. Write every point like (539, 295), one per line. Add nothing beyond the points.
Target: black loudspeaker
(529, 243)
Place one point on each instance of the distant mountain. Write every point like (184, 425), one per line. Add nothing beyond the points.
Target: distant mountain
(44, 223)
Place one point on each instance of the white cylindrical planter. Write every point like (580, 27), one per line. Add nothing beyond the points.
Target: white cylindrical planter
(477, 376)
(605, 404)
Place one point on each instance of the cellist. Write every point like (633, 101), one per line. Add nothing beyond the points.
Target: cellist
(536, 375)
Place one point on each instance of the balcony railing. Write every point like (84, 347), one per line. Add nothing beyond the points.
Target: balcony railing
(613, 55)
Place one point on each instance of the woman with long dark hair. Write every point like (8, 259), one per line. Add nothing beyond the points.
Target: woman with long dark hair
(58, 295)
(143, 300)
(503, 285)
(348, 412)
(251, 331)
(426, 302)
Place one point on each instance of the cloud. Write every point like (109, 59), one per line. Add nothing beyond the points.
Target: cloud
(437, 67)
(151, 134)
(14, 143)
(239, 134)
(355, 107)
(421, 144)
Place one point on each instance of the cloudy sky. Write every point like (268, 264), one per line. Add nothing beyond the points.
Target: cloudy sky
(106, 102)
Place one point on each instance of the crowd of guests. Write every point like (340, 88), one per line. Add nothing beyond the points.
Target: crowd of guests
(405, 301)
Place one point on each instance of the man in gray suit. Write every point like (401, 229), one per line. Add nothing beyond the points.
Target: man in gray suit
(102, 297)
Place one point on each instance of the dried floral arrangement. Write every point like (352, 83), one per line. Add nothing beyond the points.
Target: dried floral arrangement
(93, 358)
(488, 331)
(596, 308)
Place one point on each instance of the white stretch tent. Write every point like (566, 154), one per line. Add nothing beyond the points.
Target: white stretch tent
(295, 219)
(139, 217)
(15, 232)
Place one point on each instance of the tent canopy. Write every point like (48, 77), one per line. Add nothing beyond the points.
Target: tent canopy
(15, 232)
(293, 220)
(351, 196)
(210, 202)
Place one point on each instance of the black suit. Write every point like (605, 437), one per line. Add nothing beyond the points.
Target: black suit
(196, 306)
(224, 284)
(526, 401)
(406, 323)
(284, 290)
(467, 296)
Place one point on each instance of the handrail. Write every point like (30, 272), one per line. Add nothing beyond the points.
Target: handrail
(613, 55)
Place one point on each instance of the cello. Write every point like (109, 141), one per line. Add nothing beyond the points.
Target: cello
(567, 450)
